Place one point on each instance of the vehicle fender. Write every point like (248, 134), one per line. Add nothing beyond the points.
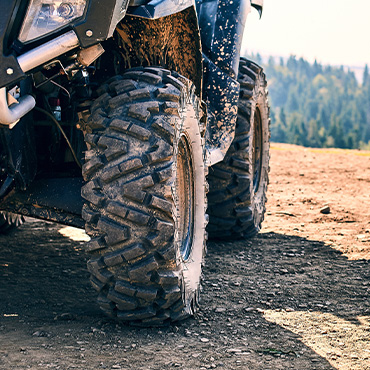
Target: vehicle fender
(171, 41)
(222, 24)
(221, 93)
(161, 8)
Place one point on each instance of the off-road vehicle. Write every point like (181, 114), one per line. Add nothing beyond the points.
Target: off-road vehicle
(142, 107)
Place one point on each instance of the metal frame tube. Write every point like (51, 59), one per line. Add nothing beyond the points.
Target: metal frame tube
(28, 61)
(46, 52)
(12, 114)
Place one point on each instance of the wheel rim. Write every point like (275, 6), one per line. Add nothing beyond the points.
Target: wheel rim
(257, 150)
(185, 197)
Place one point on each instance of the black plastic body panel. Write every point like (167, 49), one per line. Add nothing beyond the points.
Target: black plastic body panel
(221, 92)
(161, 8)
(97, 20)
(221, 24)
(10, 70)
(93, 28)
(56, 200)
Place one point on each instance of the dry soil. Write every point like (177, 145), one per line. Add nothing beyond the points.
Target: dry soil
(295, 297)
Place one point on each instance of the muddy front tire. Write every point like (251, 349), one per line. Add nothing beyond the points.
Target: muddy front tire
(238, 184)
(145, 197)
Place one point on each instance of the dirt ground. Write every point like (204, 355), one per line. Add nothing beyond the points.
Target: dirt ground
(295, 297)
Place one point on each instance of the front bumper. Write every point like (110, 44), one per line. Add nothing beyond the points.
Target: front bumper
(27, 62)
(97, 25)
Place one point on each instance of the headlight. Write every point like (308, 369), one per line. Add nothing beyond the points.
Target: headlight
(45, 16)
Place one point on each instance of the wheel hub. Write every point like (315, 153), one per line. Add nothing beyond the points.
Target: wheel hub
(257, 150)
(185, 197)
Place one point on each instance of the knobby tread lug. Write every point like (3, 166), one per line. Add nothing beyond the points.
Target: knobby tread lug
(109, 142)
(91, 193)
(170, 107)
(140, 271)
(128, 213)
(98, 120)
(139, 94)
(169, 93)
(142, 111)
(91, 139)
(135, 189)
(163, 127)
(115, 233)
(90, 214)
(114, 172)
(104, 302)
(161, 204)
(95, 244)
(134, 74)
(158, 71)
(118, 100)
(113, 259)
(92, 166)
(99, 102)
(124, 302)
(134, 251)
(174, 82)
(148, 294)
(125, 288)
(164, 174)
(151, 78)
(124, 86)
(167, 278)
(141, 314)
(96, 284)
(160, 152)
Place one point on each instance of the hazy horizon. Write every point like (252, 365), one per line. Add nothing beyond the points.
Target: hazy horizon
(334, 32)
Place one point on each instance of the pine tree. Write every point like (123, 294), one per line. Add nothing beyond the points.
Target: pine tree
(366, 77)
(318, 106)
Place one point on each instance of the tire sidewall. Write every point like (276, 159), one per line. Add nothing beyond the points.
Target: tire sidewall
(260, 105)
(188, 125)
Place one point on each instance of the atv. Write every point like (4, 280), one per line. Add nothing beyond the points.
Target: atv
(119, 117)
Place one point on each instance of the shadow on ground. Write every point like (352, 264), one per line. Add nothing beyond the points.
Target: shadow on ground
(276, 302)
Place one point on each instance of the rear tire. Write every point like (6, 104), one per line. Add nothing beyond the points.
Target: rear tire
(238, 184)
(145, 197)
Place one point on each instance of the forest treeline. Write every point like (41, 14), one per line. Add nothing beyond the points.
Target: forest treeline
(318, 106)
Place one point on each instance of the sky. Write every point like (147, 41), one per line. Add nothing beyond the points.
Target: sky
(335, 32)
